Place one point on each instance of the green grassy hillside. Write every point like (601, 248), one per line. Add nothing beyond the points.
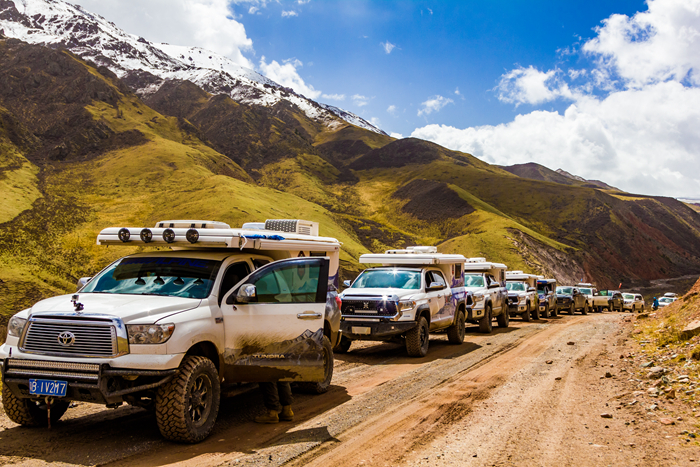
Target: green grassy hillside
(79, 152)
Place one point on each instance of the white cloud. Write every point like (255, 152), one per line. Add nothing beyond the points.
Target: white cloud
(638, 140)
(633, 122)
(659, 44)
(396, 135)
(391, 109)
(286, 74)
(334, 97)
(434, 104)
(303, 2)
(457, 92)
(531, 86)
(289, 13)
(360, 100)
(209, 24)
(388, 46)
(375, 121)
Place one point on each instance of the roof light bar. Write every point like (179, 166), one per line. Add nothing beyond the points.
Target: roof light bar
(146, 235)
(124, 234)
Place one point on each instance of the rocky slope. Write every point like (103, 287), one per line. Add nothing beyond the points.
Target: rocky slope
(147, 66)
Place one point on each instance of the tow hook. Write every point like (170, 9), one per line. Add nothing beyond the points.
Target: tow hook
(48, 400)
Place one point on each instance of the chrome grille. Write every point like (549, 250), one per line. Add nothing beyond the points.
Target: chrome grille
(91, 338)
(368, 307)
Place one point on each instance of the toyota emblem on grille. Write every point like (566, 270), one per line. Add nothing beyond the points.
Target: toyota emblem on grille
(365, 305)
(66, 339)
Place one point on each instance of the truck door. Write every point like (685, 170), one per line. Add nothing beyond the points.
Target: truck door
(274, 327)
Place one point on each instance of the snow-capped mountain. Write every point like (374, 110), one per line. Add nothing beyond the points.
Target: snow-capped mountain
(146, 65)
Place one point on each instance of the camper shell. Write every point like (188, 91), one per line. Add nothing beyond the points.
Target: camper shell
(486, 280)
(410, 293)
(522, 294)
(223, 305)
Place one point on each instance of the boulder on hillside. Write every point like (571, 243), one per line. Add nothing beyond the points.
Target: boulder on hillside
(691, 330)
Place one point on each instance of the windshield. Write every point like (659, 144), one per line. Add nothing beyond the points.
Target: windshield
(628, 296)
(516, 286)
(388, 279)
(157, 275)
(474, 280)
(666, 300)
(565, 290)
(586, 291)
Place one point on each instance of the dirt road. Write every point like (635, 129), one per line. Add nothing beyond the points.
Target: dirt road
(521, 396)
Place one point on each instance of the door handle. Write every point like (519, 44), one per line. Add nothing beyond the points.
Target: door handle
(309, 315)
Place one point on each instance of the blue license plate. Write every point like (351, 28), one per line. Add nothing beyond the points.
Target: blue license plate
(45, 387)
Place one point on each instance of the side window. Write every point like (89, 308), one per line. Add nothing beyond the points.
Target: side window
(490, 279)
(258, 263)
(437, 277)
(297, 282)
(428, 279)
(232, 276)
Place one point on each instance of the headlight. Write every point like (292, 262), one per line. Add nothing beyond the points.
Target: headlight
(406, 305)
(478, 298)
(149, 333)
(15, 326)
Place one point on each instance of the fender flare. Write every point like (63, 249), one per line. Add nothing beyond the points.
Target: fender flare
(423, 310)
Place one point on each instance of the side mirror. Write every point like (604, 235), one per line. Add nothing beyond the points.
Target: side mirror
(83, 281)
(347, 283)
(494, 285)
(436, 286)
(246, 294)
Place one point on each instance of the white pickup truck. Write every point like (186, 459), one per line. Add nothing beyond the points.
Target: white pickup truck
(416, 291)
(522, 295)
(487, 282)
(169, 329)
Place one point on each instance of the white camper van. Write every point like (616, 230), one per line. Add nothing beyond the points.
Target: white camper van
(168, 329)
(415, 291)
(487, 282)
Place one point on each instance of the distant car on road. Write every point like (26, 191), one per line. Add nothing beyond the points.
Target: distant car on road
(571, 299)
(633, 302)
(665, 301)
(615, 301)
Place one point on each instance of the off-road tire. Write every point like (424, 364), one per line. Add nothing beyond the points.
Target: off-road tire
(503, 319)
(174, 407)
(526, 315)
(535, 312)
(555, 310)
(320, 388)
(418, 339)
(486, 322)
(546, 310)
(343, 345)
(572, 309)
(584, 310)
(27, 412)
(455, 333)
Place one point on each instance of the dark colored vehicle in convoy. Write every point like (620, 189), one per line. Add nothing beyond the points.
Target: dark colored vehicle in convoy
(546, 292)
(614, 299)
(571, 299)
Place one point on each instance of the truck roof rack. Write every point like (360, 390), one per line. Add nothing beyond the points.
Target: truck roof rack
(275, 234)
(520, 276)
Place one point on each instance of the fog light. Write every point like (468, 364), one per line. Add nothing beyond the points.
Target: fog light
(169, 235)
(192, 235)
(146, 235)
(124, 234)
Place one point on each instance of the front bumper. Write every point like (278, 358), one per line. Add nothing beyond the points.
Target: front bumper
(375, 330)
(87, 382)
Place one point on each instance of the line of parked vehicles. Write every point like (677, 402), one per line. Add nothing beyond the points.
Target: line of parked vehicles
(170, 329)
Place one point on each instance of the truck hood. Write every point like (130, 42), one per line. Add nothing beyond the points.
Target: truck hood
(127, 307)
(401, 293)
(476, 289)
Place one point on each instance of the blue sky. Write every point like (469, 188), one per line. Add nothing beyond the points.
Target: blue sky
(440, 47)
(607, 90)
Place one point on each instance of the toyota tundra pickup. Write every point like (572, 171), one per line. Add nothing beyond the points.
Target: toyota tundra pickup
(171, 329)
(487, 282)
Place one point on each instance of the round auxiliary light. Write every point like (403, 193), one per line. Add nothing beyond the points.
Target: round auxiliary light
(169, 235)
(192, 235)
(124, 234)
(146, 235)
